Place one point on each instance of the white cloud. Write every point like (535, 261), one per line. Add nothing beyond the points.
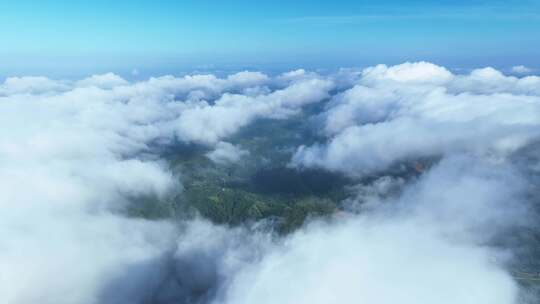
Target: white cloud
(30, 85)
(104, 81)
(67, 167)
(490, 81)
(521, 69)
(205, 123)
(293, 75)
(75, 153)
(226, 153)
(387, 119)
(248, 79)
(429, 244)
(363, 262)
(411, 73)
(419, 248)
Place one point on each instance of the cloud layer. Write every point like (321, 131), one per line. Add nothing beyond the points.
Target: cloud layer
(421, 110)
(76, 154)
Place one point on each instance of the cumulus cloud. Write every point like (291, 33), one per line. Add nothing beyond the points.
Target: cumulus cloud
(104, 81)
(433, 242)
(30, 85)
(412, 73)
(67, 168)
(427, 245)
(208, 123)
(75, 155)
(226, 153)
(393, 115)
(489, 81)
(521, 69)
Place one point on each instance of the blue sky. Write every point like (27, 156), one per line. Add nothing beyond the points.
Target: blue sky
(63, 37)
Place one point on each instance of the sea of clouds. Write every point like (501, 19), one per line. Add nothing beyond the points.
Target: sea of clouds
(74, 154)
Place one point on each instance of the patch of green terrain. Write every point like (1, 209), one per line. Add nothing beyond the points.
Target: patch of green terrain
(260, 186)
(236, 206)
